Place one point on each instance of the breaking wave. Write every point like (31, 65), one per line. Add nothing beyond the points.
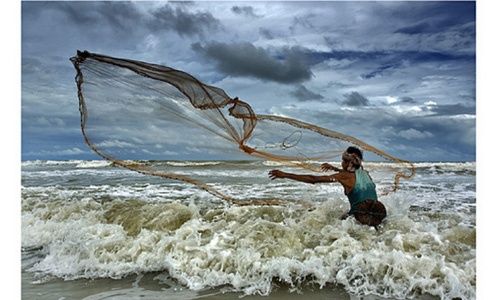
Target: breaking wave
(249, 248)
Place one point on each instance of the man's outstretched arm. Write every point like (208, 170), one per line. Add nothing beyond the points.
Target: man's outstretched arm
(312, 179)
(327, 167)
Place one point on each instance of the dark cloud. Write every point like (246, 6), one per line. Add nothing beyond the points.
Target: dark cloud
(420, 137)
(467, 96)
(355, 99)
(338, 85)
(450, 13)
(403, 87)
(125, 17)
(113, 15)
(302, 21)
(465, 32)
(266, 33)
(430, 57)
(380, 70)
(407, 100)
(422, 27)
(452, 109)
(183, 3)
(183, 22)
(304, 94)
(244, 10)
(244, 59)
(116, 14)
(454, 137)
(389, 60)
(438, 16)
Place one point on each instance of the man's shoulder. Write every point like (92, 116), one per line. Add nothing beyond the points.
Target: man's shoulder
(344, 175)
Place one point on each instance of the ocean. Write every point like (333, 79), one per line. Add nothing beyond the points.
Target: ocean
(91, 230)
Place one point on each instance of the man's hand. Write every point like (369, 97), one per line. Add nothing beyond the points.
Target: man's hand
(273, 174)
(327, 167)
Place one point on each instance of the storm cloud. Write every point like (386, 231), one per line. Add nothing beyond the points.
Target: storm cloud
(452, 110)
(266, 33)
(407, 85)
(117, 17)
(439, 18)
(304, 94)
(114, 14)
(244, 10)
(355, 99)
(183, 22)
(407, 99)
(406, 135)
(244, 59)
(379, 71)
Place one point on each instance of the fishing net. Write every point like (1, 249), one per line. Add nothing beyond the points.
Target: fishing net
(134, 112)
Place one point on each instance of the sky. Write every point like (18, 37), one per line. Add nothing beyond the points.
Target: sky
(398, 75)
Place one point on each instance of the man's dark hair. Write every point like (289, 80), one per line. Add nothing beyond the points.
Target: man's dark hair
(356, 151)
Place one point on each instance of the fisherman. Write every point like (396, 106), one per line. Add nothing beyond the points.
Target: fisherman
(358, 186)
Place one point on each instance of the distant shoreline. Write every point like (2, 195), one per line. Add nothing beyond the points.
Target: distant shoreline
(235, 160)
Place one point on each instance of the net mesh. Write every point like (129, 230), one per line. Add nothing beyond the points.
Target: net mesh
(132, 110)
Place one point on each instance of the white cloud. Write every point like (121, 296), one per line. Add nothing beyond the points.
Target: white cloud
(412, 133)
(167, 152)
(410, 110)
(72, 151)
(391, 99)
(48, 121)
(464, 117)
(151, 42)
(114, 144)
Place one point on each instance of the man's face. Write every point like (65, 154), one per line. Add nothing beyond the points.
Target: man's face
(344, 164)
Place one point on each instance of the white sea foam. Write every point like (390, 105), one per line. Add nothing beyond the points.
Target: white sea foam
(48, 162)
(272, 163)
(192, 163)
(247, 248)
(469, 164)
(31, 163)
(290, 163)
(93, 164)
(124, 226)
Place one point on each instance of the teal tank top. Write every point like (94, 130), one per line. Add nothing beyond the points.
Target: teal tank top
(364, 189)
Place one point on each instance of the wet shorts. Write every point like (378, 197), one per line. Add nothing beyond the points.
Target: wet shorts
(369, 212)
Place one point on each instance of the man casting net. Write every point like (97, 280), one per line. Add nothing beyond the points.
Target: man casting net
(133, 112)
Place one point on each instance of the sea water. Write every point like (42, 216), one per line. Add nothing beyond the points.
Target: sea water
(91, 230)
